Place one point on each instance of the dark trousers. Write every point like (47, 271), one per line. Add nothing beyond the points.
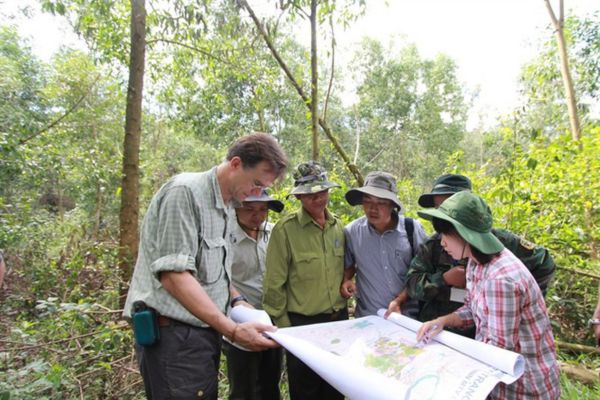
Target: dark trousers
(304, 383)
(183, 365)
(253, 375)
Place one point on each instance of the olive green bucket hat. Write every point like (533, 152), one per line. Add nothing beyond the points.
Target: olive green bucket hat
(310, 177)
(444, 185)
(472, 219)
(378, 184)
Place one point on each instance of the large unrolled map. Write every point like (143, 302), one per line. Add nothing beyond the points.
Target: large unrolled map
(377, 358)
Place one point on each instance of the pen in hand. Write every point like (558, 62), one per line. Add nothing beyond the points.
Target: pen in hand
(426, 333)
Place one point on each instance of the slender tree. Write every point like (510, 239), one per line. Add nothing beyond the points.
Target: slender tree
(558, 24)
(314, 81)
(305, 98)
(129, 214)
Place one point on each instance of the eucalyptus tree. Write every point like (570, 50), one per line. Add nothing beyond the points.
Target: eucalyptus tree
(318, 10)
(543, 111)
(103, 25)
(558, 24)
(129, 212)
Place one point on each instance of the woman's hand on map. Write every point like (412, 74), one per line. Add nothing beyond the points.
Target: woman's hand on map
(429, 330)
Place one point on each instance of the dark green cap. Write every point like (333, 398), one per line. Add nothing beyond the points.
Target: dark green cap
(445, 184)
(471, 217)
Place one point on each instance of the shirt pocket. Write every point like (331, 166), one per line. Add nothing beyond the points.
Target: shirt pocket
(338, 251)
(210, 261)
(307, 265)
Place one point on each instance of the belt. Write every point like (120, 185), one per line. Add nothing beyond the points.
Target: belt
(164, 321)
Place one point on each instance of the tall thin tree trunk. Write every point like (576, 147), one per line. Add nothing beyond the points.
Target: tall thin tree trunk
(558, 24)
(98, 200)
(314, 99)
(129, 214)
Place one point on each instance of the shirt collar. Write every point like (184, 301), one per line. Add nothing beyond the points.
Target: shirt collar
(219, 203)
(238, 234)
(305, 218)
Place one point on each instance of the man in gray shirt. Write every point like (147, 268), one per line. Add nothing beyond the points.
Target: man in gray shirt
(379, 247)
(252, 375)
(183, 270)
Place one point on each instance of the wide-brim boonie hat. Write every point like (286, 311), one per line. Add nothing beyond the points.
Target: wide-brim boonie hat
(472, 219)
(444, 185)
(310, 177)
(272, 204)
(377, 184)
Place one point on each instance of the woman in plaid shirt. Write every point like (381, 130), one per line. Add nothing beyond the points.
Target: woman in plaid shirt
(503, 300)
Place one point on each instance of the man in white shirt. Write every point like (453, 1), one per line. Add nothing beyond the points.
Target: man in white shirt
(252, 375)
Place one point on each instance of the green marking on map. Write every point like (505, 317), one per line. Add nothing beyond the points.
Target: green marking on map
(390, 356)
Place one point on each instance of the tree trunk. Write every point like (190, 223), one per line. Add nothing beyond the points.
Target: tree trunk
(580, 374)
(98, 200)
(129, 214)
(558, 24)
(577, 348)
(314, 98)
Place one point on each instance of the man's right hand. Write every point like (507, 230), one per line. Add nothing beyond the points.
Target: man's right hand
(347, 289)
(456, 277)
(250, 335)
(397, 303)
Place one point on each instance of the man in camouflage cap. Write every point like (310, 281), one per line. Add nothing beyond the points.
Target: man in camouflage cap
(304, 268)
(436, 280)
(379, 247)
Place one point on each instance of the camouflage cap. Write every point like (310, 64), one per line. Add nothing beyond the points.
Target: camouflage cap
(378, 184)
(311, 177)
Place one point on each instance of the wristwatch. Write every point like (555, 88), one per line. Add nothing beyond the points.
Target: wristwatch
(594, 321)
(238, 298)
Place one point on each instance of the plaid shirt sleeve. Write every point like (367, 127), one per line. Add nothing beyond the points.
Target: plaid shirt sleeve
(502, 298)
(177, 232)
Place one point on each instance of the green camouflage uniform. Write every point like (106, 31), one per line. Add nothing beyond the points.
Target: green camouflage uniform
(426, 284)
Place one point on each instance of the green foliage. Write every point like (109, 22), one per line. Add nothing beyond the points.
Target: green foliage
(210, 80)
(548, 193)
(571, 390)
(411, 114)
(103, 24)
(22, 108)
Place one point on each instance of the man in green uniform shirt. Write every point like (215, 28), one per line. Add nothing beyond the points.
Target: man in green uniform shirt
(304, 269)
(436, 280)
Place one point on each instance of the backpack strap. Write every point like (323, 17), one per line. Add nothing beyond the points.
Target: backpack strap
(409, 227)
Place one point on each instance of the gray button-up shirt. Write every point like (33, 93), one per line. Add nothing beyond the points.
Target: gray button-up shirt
(381, 262)
(248, 265)
(186, 228)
